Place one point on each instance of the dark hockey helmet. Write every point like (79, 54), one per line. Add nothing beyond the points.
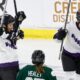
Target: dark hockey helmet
(38, 57)
(8, 19)
(78, 15)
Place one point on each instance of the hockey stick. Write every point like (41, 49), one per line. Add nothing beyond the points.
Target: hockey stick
(15, 6)
(61, 48)
(2, 19)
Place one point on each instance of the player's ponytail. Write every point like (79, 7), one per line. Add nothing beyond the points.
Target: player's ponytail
(39, 69)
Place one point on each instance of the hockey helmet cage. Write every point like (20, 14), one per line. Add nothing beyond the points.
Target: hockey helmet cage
(38, 57)
(78, 15)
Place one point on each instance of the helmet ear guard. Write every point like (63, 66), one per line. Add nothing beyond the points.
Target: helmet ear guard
(38, 57)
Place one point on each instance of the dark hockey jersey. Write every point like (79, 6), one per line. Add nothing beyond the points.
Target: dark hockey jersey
(29, 73)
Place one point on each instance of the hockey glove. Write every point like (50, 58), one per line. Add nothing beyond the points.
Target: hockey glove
(61, 34)
(21, 34)
(20, 16)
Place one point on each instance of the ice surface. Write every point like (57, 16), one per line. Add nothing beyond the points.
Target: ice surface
(50, 48)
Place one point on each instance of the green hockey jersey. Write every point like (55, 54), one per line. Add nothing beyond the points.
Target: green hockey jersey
(29, 73)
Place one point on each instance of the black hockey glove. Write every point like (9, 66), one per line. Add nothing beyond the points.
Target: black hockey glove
(20, 16)
(21, 34)
(61, 34)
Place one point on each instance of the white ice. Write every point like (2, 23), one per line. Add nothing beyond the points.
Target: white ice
(50, 48)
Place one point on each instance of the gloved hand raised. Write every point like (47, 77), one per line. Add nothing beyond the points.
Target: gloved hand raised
(60, 35)
(20, 16)
(21, 34)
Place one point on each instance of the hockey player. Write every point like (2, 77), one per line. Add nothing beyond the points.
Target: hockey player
(71, 48)
(8, 58)
(37, 71)
(18, 20)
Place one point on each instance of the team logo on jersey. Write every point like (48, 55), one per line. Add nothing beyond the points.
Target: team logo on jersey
(76, 39)
(10, 45)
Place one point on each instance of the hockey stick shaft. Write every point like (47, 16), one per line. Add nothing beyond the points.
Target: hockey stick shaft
(61, 47)
(15, 6)
(67, 14)
(2, 19)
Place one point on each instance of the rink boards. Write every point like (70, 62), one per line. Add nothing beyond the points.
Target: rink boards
(39, 33)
